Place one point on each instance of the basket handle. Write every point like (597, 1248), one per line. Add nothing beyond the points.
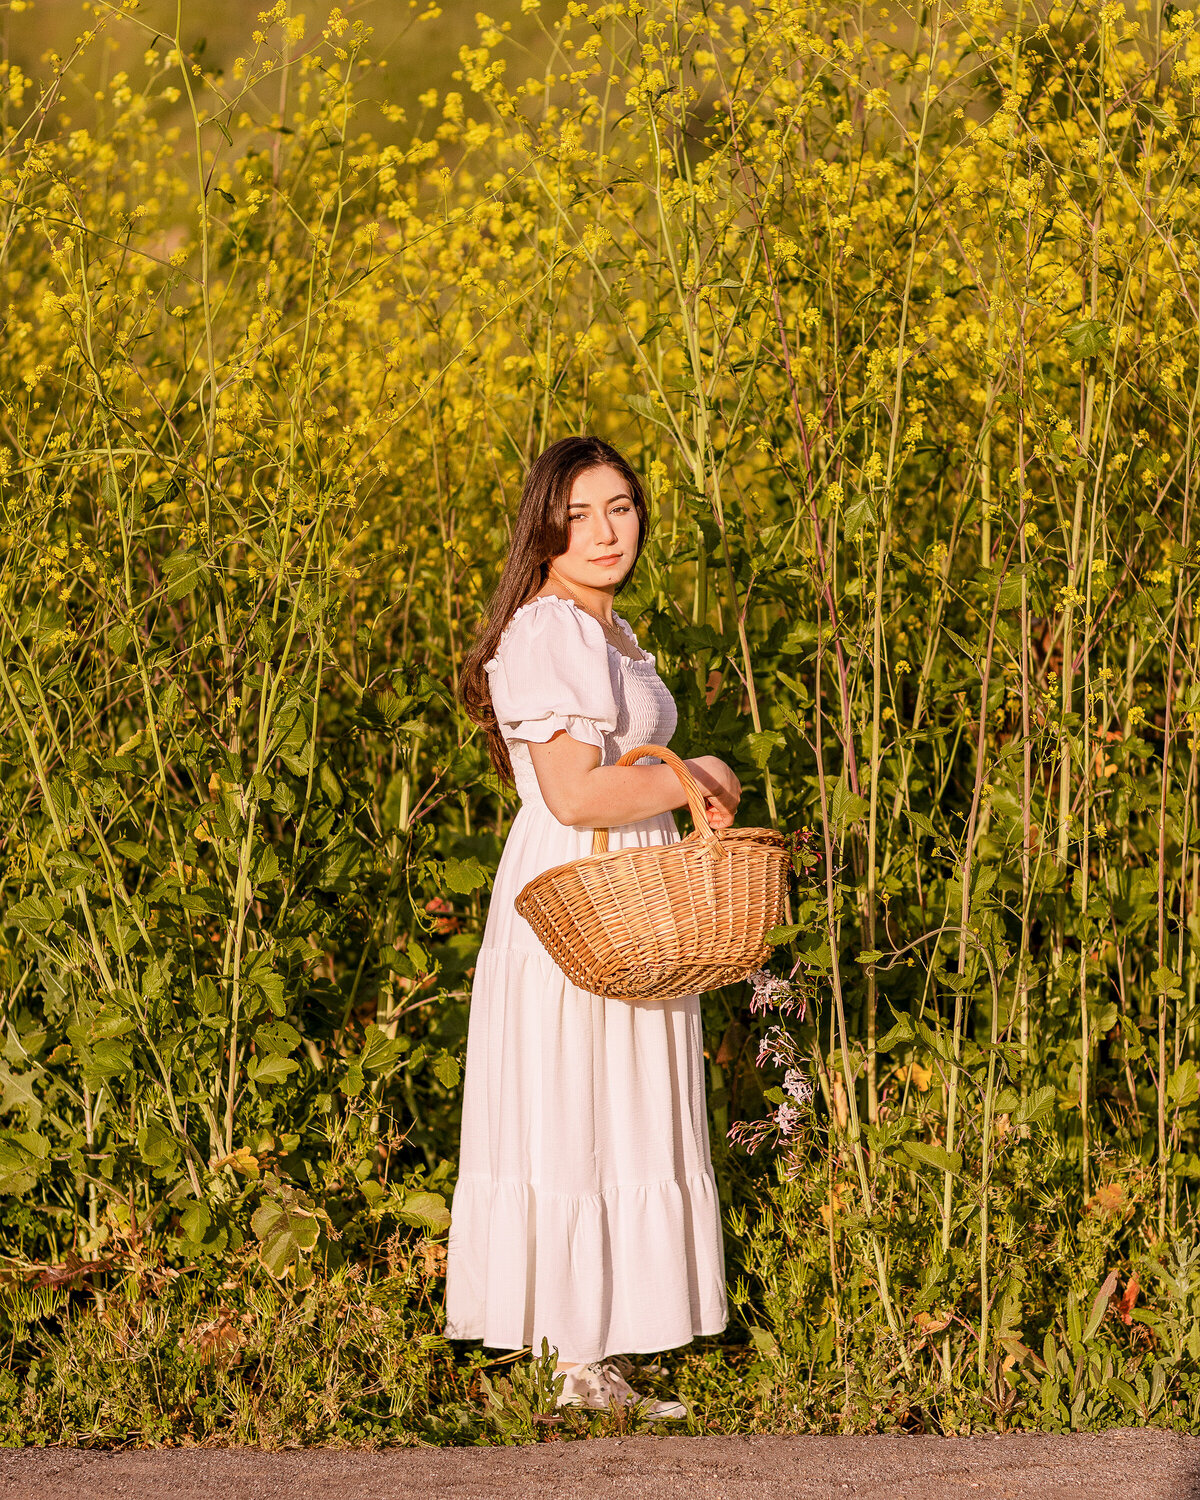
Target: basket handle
(695, 793)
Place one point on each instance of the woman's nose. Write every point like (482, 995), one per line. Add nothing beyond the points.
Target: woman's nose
(603, 529)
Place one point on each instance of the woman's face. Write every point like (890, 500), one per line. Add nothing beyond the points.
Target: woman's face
(603, 530)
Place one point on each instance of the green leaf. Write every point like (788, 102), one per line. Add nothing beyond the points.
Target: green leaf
(119, 637)
(1160, 117)
(184, 572)
(463, 876)
(636, 596)
(765, 1342)
(209, 1005)
(73, 869)
(265, 981)
(777, 935)
(195, 1221)
(654, 330)
(1104, 1019)
(858, 516)
(292, 727)
(23, 1157)
(425, 1210)
(1086, 339)
(155, 978)
(336, 866)
(902, 1031)
(761, 746)
(380, 1052)
(36, 913)
(815, 952)
(844, 807)
(277, 1037)
(110, 1023)
(265, 866)
(286, 1228)
(270, 1067)
(1167, 983)
(388, 706)
(1036, 1106)
(206, 900)
(1010, 583)
(969, 651)
(17, 1092)
(446, 1070)
(1125, 1394)
(161, 490)
(108, 1059)
(1184, 1086)
(157, 1145)
(330, 784)
(934, 1156)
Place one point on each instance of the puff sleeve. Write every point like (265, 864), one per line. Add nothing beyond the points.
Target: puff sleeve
(551, 671)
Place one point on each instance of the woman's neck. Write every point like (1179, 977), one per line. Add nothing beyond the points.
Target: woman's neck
(598, 602)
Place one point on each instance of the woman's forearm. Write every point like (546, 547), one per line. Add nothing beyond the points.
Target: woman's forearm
(582, 793)
(607, 796)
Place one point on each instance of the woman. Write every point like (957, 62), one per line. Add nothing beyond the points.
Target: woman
(586, 1211)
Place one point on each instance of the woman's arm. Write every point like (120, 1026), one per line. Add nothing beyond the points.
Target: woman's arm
(582, 793)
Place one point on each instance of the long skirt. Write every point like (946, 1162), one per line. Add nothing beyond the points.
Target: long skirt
(585, 1210)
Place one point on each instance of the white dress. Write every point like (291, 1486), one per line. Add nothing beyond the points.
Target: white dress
(585, 1210)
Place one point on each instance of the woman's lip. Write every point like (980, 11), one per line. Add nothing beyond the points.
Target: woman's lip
(611, 558)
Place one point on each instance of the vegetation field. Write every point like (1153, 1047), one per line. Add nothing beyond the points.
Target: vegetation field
(897, 312)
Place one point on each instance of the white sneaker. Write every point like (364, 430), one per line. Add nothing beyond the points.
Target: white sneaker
(601, 1384)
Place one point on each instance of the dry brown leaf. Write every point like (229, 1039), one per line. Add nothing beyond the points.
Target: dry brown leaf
(1128, 1297)
(1107, 1199)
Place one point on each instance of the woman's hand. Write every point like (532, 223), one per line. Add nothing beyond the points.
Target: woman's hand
(722, 789)
(716, 815)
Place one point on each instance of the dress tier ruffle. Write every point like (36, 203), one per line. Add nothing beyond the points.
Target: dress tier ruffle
(586, 1210)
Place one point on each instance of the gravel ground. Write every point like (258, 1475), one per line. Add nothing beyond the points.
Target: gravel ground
(1125, 1464)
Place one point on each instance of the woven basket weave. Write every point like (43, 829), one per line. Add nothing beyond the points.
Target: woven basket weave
(661, 920)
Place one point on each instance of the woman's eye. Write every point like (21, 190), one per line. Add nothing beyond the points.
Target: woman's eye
(579, 515)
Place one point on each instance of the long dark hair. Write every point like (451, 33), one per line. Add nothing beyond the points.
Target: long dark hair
(540, 533)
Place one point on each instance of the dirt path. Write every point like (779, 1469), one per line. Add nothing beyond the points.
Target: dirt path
(1125, 1464)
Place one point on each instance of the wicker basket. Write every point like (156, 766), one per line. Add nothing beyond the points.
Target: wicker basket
(662, 920)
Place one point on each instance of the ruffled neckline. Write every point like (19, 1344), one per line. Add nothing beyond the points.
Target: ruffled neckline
(648, 660)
